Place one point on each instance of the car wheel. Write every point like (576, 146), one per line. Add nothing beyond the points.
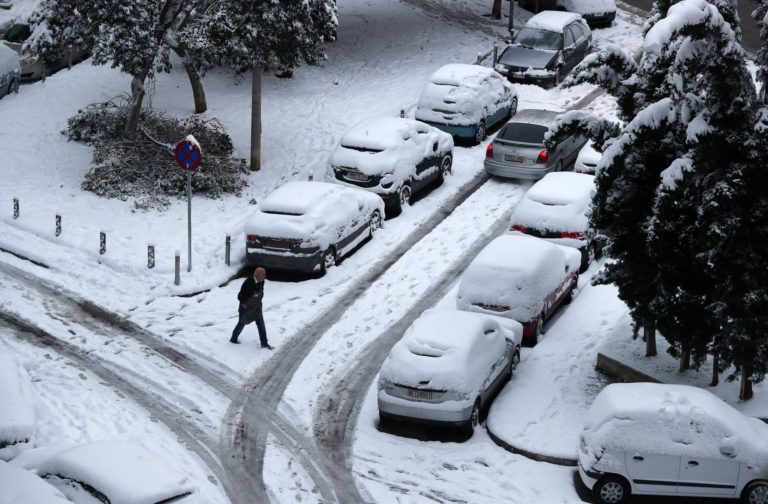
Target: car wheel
(514, 363)
(756, 493)
(404, 196)
(375, 222)
(474, 418)
(329, 260)
(14, 86)
(539, 330)
(445, 168)
(611, 490)
(480, 133)
(569, 298)
(512, 108)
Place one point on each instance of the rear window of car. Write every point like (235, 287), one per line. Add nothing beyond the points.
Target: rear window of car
(523, 132)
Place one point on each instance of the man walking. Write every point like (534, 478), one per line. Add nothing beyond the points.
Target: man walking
(250, 297)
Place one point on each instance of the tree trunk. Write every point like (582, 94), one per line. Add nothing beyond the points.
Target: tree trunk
(496, 10)
(137, 99)
(195, 81)
(649, 333)
(256, 120)
(715, 371)
(685, 360)
(745, 391)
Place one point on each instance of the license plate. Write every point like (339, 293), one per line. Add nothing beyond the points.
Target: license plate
(514, 158)
(357, 176)
(420, 394)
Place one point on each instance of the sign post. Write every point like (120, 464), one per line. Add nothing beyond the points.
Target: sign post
(188, 157)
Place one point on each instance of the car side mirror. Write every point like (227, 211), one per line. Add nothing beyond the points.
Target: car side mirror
(728, 451)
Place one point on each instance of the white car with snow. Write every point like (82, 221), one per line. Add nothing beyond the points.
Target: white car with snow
(18, 422)
(466, 100)
(392, 157)
(109, 472)
(671, 440)
(522, 278)
(10, 71)
(447, 368)
(595, 12)
(586, 161)
(19, 486)
(555, 209)
(308, 226)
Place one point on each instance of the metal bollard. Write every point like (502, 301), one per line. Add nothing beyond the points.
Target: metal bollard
(402, 113)
(495, 54)
(177, 279)
(58, 224)
(150, 256)
(310, 177)
(15, 208)
(69, 59)
(227, 249)
(102, 243)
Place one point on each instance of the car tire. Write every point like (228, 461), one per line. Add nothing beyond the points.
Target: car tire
(375, 223)
(515, 362)
(474, 418)
(14, 87)
(480, 133)
(329, 259)
(755, 493)
(446, 164)
(570, 295)
(512, 108)
(611, 490)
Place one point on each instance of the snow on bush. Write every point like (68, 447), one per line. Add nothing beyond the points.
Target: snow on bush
(317, 213)
(462, 95)
(451, 350)
(558, 202)
(18, 422)
(513, 275)
(143, 168)
(19, 486)
(677, 420)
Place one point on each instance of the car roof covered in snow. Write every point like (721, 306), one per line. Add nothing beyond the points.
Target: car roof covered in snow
(563, 188)
(671, 420)
(299, 197)
(535, 116)
(554, 21)
(449, 349)
(381, 133)
(124, 472)
(17, 408)
(460, 74)
(19, 486)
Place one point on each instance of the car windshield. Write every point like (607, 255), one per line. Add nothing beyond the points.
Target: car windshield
(523, 132)
(539, 39)
(17, 33)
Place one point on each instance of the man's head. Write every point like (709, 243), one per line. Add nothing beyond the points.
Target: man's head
(259, 274)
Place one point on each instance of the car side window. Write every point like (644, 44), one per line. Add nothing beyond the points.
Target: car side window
(570, 39)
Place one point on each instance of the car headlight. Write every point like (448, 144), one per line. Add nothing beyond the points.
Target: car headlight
(501, 67)
(388, 179)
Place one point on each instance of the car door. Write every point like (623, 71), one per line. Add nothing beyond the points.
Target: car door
(570, 49)
(497, 372)
(651, 473)
(343, 215)
(710, 477)
(425, 147)
(500, 99)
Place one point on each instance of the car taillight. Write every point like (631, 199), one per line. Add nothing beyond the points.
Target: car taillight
(251, 238)
(519, 227)
(572, 234)
(489, 150)
(543, 156)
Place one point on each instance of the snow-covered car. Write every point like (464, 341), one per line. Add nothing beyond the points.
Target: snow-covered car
(671, 440)
(595, 12)
(18, 422)
(586, 161)
(447, 368)
(19, 486)
(109, 472)
(308, 226)
(549, 46)
(555, 209)
(10, 71)
(518, 149)
(466, 100)
(392, 157)
(522, 278)
(34, 67)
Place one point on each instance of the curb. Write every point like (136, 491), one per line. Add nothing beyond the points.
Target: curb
(562, 461)
(622, 371)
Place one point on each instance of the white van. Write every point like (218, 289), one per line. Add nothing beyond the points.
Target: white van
(671, 440)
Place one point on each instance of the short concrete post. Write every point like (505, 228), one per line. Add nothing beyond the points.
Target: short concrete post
(227, 249)
(102, 243)
(495, 54)
(402, 113)
(150, 256)
(177, 279)
(69, 59)
(15, 208)
(58, 224)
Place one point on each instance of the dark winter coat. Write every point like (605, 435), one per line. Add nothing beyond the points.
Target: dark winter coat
(251, 294)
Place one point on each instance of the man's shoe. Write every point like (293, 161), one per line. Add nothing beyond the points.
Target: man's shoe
(234, 341)
(268, 346)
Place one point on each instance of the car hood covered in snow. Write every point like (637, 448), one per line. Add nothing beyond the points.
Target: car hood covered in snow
(527, 57)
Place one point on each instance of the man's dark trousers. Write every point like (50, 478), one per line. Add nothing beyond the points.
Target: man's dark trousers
(241, 324)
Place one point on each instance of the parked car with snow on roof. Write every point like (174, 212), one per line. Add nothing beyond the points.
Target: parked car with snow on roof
(33, 66)
(466, 100)
(587, 159)
(448, 367)
(308, 226)
(555, 209)
(597, 13)
(392, 157)
(549, 46)
(18, 421)
(522, 278)
(673, 441)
